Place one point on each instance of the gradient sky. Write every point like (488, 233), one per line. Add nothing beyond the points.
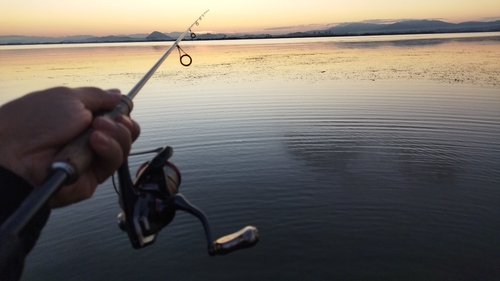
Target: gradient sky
(113, 17)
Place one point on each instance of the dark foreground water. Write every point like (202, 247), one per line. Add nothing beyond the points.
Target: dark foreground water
(346, 178)
(398, 183)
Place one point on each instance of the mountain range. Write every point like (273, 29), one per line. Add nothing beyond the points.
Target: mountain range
(345, 29)
(410, 26)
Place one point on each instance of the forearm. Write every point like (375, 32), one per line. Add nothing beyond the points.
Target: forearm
(14, 190)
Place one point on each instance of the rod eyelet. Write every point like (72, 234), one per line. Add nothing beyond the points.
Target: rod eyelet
(186, 56)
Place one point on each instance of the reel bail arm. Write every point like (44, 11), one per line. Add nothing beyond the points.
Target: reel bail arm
(149, 204)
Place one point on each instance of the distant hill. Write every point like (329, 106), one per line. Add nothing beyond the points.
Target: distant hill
(345, 29)
(211, 36)
(19, 39)
(109, 39)
(411, 26)
(158, 36)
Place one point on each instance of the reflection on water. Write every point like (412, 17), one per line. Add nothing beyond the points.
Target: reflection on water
(355, 159)
(430, 162)
(446, 58)
(413, 42)
(358, 160)
(425, 136)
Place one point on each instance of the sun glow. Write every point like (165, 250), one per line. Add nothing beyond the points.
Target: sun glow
(113, 17)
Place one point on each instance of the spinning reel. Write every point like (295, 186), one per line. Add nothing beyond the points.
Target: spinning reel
(149, 204)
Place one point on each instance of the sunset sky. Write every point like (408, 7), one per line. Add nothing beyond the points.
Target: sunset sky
(114, 17)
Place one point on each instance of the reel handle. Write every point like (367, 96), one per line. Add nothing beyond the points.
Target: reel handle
(149, 203)
(244, 238)
(77, 155)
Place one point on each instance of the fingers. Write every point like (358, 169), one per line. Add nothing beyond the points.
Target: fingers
(111, 141)
(95, 99)
(131, 125)
(67, 112)
(73, 193)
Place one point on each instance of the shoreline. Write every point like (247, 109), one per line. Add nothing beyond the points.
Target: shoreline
(249, 37)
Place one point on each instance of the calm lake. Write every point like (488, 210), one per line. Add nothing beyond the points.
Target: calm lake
(358, 158)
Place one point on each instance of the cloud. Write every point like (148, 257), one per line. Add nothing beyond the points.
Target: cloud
(298, 28)
(491, 18)
(280, 28)
(322, 26)
(389, 21)
(384, 21)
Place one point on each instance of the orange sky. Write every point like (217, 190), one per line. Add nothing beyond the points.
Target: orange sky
(113, 17)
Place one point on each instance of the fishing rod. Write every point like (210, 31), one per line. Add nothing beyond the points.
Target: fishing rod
(153, 69)
(157, 184)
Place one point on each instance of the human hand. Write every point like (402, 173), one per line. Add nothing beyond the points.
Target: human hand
(34, 128)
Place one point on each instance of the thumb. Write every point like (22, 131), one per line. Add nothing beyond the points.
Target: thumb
(95, 99)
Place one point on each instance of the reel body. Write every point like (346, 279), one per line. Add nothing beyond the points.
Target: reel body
(150, 201)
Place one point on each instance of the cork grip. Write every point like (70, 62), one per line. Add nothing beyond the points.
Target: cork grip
(78, 154)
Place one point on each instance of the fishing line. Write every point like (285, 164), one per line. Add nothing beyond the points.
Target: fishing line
(75, 158)
(182, 55)
(148, 204)
(156, 150)
(114, 184)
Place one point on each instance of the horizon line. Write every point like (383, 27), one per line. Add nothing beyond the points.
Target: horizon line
(275, 29)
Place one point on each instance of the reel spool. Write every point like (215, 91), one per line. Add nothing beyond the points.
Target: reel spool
(149, 204)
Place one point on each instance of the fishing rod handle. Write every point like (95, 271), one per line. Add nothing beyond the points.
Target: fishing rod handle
(77, 155)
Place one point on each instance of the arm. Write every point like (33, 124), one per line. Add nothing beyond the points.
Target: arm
(35, 127)
(13, 250)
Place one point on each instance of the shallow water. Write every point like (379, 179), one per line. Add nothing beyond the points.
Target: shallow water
(369, 158)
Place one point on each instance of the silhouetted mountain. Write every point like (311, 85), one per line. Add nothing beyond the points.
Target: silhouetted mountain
(19, 39)
(136, 36)
(354, 27)
(411, 26)
(211, 36)
(174, 34)
(346, 29)
(477, 25)
(300, 34)
(109, 39)
(416, 25)
(157, 36)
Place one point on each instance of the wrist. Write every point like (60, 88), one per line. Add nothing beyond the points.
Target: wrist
(19, 166)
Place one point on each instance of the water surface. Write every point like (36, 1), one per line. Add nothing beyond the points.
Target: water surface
(370, 158)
